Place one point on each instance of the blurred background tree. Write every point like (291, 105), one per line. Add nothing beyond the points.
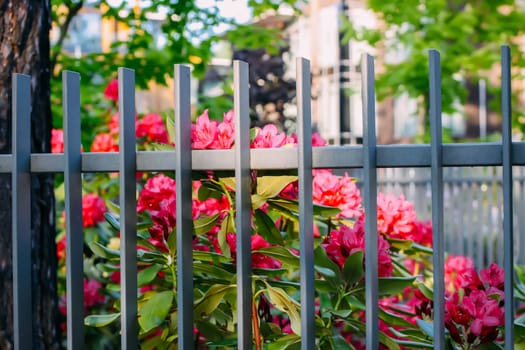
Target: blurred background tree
(468, 34)
(149, 37)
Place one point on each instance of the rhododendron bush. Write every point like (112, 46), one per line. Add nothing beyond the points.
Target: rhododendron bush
(474, 300)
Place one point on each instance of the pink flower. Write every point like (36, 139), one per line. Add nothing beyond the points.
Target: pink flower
(151, 127)
(395, 216)
(469, 280)
(203, 132)
(494, 276)
(318, 140)
(104, 143)
(340, 192)
(61, 248)
(93, 209)
(258, 260)
(261, 260)
(486, 312)
(114, 124)
(268, 137)
(158, 197)
(422, 233)
(342, 243)
(111, 90)
(456, 265)
(92, 295)
(225, 136)
(57, 141)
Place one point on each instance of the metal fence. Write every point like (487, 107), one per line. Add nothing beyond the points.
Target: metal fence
(368, 157)
(473, 207)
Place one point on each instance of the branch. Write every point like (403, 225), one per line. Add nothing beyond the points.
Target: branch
(73, 11)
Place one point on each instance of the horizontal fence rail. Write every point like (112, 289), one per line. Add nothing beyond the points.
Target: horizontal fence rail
(337, 157)
(241, 160)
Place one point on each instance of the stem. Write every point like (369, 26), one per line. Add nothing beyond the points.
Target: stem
(173, 274)
(256, 329)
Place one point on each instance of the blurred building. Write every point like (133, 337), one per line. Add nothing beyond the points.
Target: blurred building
(336, 84)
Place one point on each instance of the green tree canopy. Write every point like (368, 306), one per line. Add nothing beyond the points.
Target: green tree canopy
(188, 32)
(468, 33)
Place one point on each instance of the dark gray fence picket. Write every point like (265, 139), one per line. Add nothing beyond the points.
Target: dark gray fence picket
(508, 237)
(243, 204)
(73, 211)
(306, 234)
(370, 201)
(128, 209)
(21, 209)
(184, 205)
(436, 169)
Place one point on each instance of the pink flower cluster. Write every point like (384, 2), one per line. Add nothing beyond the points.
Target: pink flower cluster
(92, 296)
(111, 90)
(151, 128)
(474, 313)
(337, 191)
(258, 260)
(210, 134)
(395, 216)
(342, 243)
(57, 141)
(158, 197)
(93, 209)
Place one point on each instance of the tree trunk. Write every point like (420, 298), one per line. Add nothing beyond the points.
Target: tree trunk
(24, 48)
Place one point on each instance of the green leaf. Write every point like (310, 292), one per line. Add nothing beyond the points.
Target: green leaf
(212, 271)
(266, 227)
(393, 285)
(211, 299)
(293, 206)
(427, 292)
(383, 338)
(257, 201)
(415, 344)
(282, 254)
(519, 328)
(426, 327)
(148, 274)
(412, 334)
(282, 301)
(226, 227)
(199, 255)
(327, 268)
(353, 268)
(341, 343)
(100, 320)
(204, 224)
(229, 182)
(172, 242)
(400, 244)
(271, 186)
(212, 331)
(285, 342)
(112, 220)
(155, 310)
(102, 251)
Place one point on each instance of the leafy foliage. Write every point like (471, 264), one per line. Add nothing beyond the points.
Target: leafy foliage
(468, 33)
(151, 38)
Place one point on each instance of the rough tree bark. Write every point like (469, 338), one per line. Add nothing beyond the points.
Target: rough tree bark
(24, 48)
